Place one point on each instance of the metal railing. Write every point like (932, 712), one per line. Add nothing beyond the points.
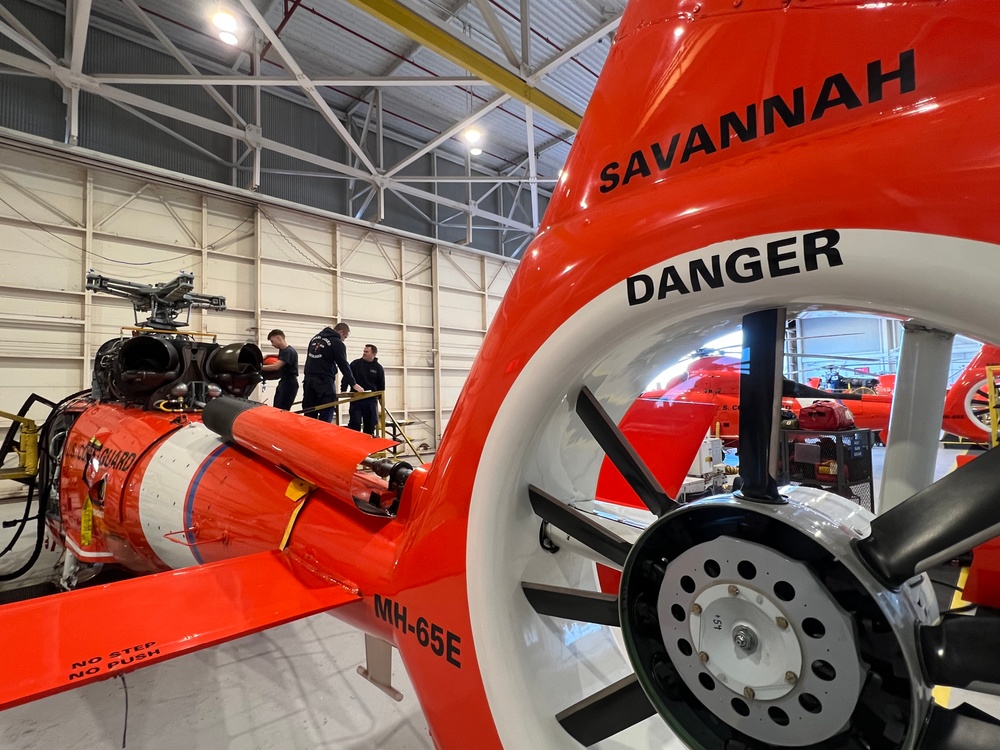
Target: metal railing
(383, 414)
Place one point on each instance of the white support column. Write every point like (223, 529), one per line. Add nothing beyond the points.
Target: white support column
(403, 400)
(87, 259)
(436, 322)
(484, 286)
(529, 119)
(256, 274)
(915, 421)
(203, 275)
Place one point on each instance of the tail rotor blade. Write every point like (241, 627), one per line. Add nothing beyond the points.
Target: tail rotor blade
(759, 385)
(607, 712)
(951, 516)
(962, 728)
(573, 604)
(578, 525)
(961, 651)
(622, 454)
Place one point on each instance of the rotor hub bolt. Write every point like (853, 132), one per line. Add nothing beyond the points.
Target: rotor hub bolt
(791, 678)
(781, 622)
(745, 639)
(703, 657)
(733, 590)
(748, 693)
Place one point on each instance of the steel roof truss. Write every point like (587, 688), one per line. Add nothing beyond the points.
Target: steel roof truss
(486, 11)
(450, 132)
(307, 85)
(153, 29)
(39, 49)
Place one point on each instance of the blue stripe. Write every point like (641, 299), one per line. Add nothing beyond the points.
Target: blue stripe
(189, 499)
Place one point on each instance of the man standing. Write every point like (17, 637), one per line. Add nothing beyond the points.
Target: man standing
(371, 377)
(288, 366)
(326, 353)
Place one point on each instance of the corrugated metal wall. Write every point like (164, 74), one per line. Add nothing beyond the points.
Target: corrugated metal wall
(35, 106)
(30, 104)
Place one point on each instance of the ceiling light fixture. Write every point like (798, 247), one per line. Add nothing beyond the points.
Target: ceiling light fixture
(224, 21)
(229, 38)
(475, 151)
(472, 135)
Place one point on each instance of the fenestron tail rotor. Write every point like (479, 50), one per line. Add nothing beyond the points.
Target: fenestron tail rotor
(749, 620)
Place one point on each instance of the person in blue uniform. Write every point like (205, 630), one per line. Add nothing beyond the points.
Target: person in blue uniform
(288, 367)
(371, 377)
(325, 355)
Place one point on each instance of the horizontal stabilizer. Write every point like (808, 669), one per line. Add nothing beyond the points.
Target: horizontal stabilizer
(82, 636)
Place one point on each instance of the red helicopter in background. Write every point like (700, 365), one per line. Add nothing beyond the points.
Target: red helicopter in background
(716, 380)
(699, 195)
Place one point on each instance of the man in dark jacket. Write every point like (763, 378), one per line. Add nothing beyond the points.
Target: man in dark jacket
(326, 353)
(371, 377)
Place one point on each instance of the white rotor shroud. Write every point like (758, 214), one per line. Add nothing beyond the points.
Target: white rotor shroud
(534, 667)
(760, 642)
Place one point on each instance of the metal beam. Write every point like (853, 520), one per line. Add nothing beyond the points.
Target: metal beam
(185, 63)
(78, 15)
(529, 119)
(418, 28)
(40, 49)
(575, 49)
(450, 132)
(37, 50)
(77, 23)
(486, 11)
(307, 85)
(404, 59)
(160, 126)
(525, 36)
(283, 81)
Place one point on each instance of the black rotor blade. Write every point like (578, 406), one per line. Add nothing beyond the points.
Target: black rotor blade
(961, 651)
(791, 389)
(607, 712)
(962, 728)
(573, 604)
(758, 403)
(578, 525)
(622, 454)
(953, 515)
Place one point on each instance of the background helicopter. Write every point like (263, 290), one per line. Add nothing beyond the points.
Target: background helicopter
(714, 379)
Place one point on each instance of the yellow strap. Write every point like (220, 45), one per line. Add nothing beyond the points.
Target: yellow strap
(86, 523)
(297, 491)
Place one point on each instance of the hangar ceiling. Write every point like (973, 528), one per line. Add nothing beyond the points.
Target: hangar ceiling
(420, 72)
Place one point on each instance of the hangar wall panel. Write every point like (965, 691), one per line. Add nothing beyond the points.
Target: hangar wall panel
(425, 307)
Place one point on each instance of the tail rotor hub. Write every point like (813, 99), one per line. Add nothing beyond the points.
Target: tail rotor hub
(750, 623)
(758, 640)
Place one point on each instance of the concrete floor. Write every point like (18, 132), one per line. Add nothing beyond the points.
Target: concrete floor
(291, 687)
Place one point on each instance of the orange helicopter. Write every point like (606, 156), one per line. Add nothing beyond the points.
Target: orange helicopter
(738, 163)
(716, 380)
